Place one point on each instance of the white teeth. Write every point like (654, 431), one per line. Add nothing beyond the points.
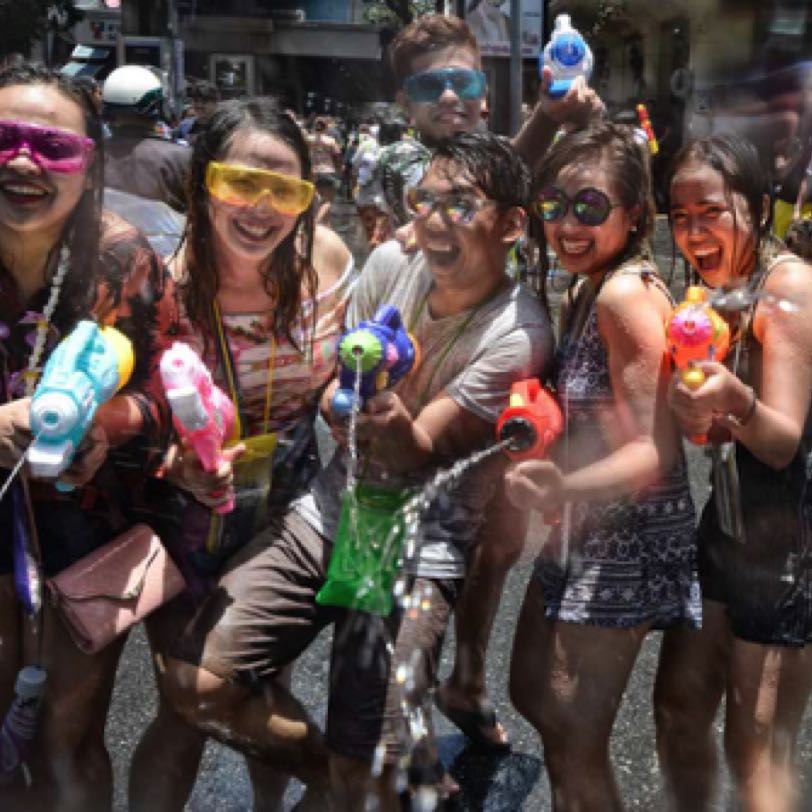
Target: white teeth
(575, 246)
(254, 231)
(705, 252)
(20, 189)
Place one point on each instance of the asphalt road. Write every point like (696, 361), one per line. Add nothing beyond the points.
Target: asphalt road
(493, 784)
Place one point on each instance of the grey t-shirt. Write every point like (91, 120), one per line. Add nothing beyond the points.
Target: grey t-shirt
(507, 339)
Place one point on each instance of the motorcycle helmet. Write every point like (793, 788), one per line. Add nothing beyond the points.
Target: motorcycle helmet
(133, 89)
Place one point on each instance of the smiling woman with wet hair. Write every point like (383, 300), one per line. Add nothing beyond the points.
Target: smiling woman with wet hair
(755, 535)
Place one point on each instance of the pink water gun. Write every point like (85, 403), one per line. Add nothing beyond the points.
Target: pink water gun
(203, 414)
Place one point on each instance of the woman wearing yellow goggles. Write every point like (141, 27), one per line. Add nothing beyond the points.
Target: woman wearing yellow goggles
(264, 292)
(240, 185)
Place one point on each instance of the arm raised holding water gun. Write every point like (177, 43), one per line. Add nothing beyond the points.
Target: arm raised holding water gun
(84, 372)
(206, 420)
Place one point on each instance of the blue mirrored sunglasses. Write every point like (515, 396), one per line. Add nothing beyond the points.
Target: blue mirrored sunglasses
(427, 87)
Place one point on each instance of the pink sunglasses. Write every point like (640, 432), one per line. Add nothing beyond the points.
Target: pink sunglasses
(53, 149)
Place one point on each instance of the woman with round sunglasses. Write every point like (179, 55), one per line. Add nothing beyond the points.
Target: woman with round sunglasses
(620, 559)
(263, 292)
(62, 260)
(756, 571)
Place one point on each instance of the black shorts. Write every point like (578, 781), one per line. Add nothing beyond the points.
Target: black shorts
(764, 582)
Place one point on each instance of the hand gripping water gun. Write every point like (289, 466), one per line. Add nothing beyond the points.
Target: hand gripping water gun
(696, 332)
(84, 371)
(385, 352)
(645, 123)
(532, 421)
(203, 414)
(567, 55)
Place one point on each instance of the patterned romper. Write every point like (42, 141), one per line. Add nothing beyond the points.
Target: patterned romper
(631, 560)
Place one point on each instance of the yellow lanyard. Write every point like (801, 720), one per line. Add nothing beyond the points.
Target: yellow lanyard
(231, 378)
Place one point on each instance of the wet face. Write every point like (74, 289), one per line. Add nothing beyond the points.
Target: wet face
(711, 226)
(588, 249)
(449, 114)
(469, 253)
(34, 200)
(247, 235)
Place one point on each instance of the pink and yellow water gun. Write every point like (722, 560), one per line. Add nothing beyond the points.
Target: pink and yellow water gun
(696, 332)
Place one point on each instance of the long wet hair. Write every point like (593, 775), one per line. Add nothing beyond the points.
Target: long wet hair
(628, 166)
(82, 232)
(736, 159)
(290, 264)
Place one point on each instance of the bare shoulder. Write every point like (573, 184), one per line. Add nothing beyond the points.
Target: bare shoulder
(791, 277)
(634, 295)
(330, 256)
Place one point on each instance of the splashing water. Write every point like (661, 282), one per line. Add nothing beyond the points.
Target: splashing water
(394, 553)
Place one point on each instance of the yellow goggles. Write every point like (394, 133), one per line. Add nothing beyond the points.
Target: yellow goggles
(246, 186)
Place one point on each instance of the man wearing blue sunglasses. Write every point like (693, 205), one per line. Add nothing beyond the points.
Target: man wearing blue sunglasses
(437, 66)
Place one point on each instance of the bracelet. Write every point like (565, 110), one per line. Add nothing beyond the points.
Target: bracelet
(742, 421)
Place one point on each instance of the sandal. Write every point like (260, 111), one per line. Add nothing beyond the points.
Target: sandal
(478, 725)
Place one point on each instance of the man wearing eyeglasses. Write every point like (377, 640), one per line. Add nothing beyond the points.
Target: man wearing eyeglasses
(437, 66)
(478, 332)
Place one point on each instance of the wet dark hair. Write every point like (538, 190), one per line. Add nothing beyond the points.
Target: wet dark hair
(736, 159)
(491, 163)
(82, 232)
(425, 35)
(289, 263)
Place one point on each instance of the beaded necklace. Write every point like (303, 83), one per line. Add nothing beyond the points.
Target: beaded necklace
(32, 371)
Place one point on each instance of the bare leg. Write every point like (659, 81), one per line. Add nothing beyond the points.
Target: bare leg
(268, 783)
(575, 700)
(690, 683)
(165, 763)
(758, 743)
(793, 696)
(500, 543)
(272, 725)
(71, 742)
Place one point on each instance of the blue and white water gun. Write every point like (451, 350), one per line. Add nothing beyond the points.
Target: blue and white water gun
(85, 370)
(567, 55)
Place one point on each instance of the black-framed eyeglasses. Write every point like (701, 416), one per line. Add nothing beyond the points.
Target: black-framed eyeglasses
(458, 208)
(590, 206)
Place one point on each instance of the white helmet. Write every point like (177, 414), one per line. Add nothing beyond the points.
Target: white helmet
(133, 89)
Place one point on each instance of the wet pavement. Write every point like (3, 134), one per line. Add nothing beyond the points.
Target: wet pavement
(508, 783)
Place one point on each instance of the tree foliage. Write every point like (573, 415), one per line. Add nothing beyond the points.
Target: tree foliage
(24, 22)
(395, 13)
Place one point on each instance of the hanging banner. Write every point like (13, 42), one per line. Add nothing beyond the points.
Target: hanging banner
(490, 21)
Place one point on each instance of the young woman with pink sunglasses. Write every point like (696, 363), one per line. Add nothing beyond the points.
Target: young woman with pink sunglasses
(62, 259)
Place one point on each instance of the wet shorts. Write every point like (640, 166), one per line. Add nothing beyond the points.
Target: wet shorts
(764, 582)
(263, 614)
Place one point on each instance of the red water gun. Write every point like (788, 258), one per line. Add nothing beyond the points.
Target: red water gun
(645, 123)
(531, 422)
(696, 332)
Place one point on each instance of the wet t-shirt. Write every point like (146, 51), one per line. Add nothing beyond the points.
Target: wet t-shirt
(508, 338)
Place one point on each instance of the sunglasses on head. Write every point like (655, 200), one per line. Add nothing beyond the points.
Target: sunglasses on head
(428, 86)
(246, 186)
(51, 148)
(591, 207)
(458, 208)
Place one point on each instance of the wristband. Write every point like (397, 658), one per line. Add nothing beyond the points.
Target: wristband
(741, 422)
